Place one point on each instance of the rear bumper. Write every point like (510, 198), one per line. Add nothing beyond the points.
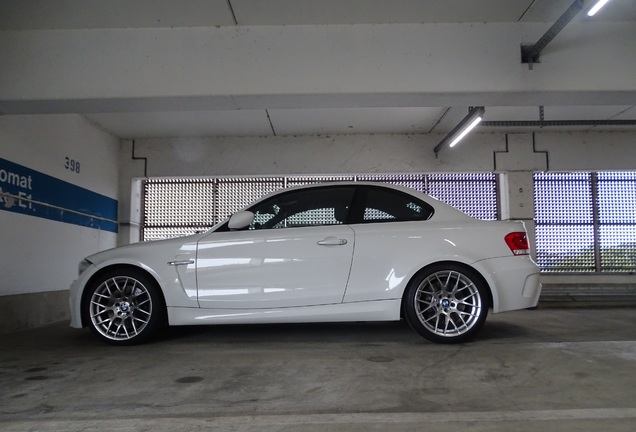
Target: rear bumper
(514, 282)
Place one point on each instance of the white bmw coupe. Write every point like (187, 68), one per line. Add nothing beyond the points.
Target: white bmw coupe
(323, 253)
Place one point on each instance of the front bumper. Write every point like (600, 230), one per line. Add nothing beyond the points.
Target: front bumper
(75, 300)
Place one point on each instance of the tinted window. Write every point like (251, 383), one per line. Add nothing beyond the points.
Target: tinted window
(309, 207)
(383, 205)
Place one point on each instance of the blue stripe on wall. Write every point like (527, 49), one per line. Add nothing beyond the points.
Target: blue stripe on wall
(29, 192)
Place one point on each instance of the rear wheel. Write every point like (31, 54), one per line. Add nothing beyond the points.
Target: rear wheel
(124, 307)
(446, 303)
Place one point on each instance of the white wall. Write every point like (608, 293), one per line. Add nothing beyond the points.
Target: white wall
(383, 153)
(40, 255)
(315, 155)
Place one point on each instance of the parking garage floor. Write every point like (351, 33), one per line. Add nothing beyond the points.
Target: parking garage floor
(545, 369)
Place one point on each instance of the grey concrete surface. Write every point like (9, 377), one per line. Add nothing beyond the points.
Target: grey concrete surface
(546, 369)
(33, 310)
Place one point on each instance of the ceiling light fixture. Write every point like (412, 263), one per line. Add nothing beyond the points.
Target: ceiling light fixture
(596, 7)
(475, 115)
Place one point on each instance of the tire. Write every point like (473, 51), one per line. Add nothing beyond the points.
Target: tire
(446, 303)
(124, 307)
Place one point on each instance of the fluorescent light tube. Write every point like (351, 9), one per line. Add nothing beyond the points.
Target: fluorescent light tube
(465, 126)
(596, 7)
(465, 131)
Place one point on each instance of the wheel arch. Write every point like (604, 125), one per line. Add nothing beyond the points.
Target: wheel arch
(99, 273)
(432, 265)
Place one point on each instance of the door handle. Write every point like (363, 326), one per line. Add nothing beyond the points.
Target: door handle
(180, 263)
(332, 241)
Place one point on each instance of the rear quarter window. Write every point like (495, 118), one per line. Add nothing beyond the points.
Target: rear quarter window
(388, 205)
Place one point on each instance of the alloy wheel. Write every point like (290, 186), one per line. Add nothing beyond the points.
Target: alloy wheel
(448, 303)
(120, 308)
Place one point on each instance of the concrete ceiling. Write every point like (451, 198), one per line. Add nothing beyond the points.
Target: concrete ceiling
(35, 15)
(75, 14)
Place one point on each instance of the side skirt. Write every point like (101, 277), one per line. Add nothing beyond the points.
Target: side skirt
(379, 310)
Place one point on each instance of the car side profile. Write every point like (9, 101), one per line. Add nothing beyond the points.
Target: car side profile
(322, 253)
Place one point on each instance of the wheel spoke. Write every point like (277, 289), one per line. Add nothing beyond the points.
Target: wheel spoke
(426, 319)
(99, 305)
(98, 313)
(107, 320)
(448, 278)
(457, 281)
(461, 313)
(465, 303)
(450, 320)
(439, 281)
(115, 282)
(134, 318)
(460, 318)
(143, 302)
(437, 321)
(429, 307)
(471, 295)
(132, 288)
(470, 286)
(446, 321)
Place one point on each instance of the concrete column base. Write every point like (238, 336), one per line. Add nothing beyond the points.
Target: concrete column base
(24, 311)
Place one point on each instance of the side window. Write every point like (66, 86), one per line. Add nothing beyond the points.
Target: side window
(265, 214)
(303, 208)
(384, 205)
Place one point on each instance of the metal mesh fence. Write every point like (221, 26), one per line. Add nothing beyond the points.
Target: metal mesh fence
(586, 222)
(181, 206)
(474, 194)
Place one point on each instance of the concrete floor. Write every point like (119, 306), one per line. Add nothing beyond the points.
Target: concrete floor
(546, 369)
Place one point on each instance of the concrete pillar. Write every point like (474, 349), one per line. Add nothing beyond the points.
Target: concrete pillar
(519, 162)
(132, 172)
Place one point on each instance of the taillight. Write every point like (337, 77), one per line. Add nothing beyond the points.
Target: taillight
(518, 243)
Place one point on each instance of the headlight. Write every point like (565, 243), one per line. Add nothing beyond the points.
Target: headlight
(83, 265)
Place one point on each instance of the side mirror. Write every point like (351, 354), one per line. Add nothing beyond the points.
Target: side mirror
(240, 220)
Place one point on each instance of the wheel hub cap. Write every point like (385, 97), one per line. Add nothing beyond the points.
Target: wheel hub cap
(123, 308)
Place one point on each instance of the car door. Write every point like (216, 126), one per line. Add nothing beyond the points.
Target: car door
(297, 252)
(391, 232)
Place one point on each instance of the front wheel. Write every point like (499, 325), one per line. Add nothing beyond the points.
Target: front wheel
(446, 303)
(124, 307)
